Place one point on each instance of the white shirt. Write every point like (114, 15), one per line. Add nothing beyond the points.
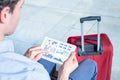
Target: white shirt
(17, 67)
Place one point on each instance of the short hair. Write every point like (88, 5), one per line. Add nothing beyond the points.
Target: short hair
(9, 3)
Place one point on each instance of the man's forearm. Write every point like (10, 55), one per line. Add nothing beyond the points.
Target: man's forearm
(63, 77)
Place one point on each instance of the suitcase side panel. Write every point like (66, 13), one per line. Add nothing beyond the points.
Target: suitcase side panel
(104, 61)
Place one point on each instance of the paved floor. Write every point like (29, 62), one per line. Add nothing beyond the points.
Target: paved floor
(59, 19)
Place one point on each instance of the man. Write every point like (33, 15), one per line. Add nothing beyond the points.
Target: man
(17, 67)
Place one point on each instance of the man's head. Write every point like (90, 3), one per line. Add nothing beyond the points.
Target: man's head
(9, 3)
(10, 11)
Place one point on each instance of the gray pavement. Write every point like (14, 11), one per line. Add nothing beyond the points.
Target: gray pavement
(59, 19)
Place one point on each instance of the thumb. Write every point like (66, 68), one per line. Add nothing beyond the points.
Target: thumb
(72, 56)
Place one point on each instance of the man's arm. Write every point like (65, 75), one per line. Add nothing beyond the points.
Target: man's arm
(35, 53)
(68, 67)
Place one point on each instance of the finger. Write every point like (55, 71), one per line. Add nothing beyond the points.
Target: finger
(36, 52)
(72, 56)
(37, 57)
(41, 51)
(75, 59)
(35, 48)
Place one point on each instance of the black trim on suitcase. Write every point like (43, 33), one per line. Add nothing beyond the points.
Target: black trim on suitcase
(90, 49)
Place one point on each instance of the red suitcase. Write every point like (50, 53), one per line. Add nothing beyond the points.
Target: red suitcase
(97, 47)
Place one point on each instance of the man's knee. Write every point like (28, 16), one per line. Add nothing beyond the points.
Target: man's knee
(91, 64)
(87, 70)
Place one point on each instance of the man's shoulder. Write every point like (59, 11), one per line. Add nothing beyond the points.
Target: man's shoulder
(8, 56)
(16, 64)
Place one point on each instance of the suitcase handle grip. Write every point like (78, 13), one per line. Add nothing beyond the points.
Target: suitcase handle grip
(90, 18)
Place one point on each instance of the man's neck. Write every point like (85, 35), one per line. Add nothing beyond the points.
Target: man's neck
(1, 37)
(1, 32)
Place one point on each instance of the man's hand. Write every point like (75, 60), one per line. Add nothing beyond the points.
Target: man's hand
(68, 67)
(35, 53)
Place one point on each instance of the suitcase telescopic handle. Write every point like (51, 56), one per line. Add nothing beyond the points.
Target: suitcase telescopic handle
(90, 18)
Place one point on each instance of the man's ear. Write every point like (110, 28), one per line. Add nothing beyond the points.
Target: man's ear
(5, 14)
